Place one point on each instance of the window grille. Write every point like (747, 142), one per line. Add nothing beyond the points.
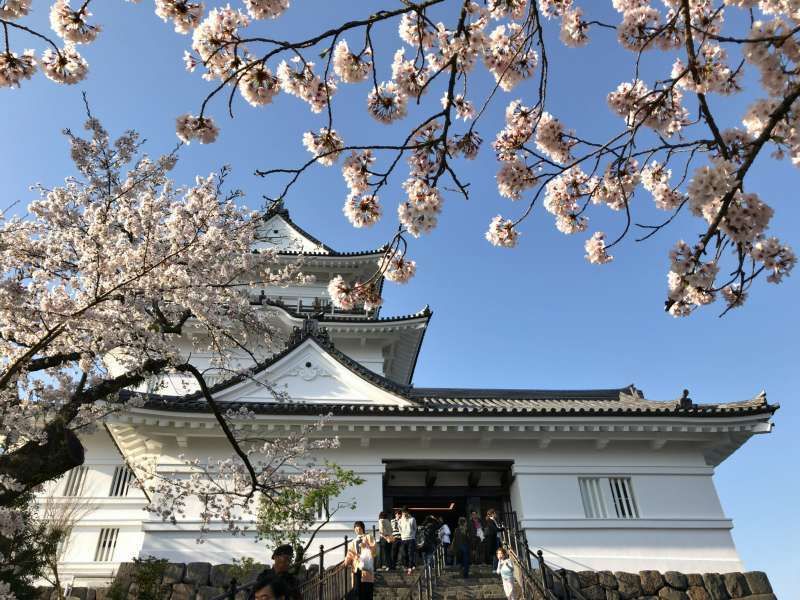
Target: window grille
(608, 497)
(106, 544)
(121, 482)
(323, 508)
(75, 480)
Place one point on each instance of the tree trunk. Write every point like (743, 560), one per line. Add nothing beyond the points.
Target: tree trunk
(34, 463)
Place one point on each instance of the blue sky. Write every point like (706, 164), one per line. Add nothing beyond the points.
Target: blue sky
(538, 316)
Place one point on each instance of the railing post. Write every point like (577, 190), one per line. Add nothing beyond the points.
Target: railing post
(232, 589)
(543, 570)
(320, 585)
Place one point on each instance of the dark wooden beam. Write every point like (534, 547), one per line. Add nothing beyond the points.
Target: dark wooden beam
(430, 479)
(474, 479)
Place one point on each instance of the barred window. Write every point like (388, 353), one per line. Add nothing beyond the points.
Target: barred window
(121, 482)
(323, 508)
(73, 486)
(106, 544)
(608, 498)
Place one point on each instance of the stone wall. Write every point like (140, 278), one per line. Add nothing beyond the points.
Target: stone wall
(653, 585)
(202, 581)
(192, 581)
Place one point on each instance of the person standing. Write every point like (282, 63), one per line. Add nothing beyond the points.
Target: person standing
(385, 542)
(492, 536)
(444, 539)
(462, 546)
(281, 563)
(361, 558)
(505, 568)
(476, 539)
(397, 544)
(427, 538)
(408, 537)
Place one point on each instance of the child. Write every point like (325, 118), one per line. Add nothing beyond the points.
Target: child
(505, 568)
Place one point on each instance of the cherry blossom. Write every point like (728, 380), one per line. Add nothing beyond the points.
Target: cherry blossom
(306, 85)
(185, 16)
(348, 66)
(596, 249)
(66, 66)
(387, 102)
(513, 178)
(14, 69)
(398, 268)
(258, 85)
(355, 170)
(502, 232)
(419, 213)
(203, 129)
(14, 9)
(266, 9)
(362, 211)
(325, 145)
(72, 25)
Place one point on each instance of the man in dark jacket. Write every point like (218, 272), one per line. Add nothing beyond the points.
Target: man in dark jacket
(281, 563)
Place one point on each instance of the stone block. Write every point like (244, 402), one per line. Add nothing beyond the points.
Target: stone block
(182, 591)
(220, 575)
(133, 592)
(612, 595)
(694, 579)
(197, 573)
(758, 582)
(595, 592)
(173, 573)
(697, 592)
(573, 581)
(125, 573)
(607, 580)
(652, 581)
(668, 593)
(715, 586)
(206, 592)
(101, 594)
(762, 597)
(736, 585)
(78, 592)
(676, 580)
(630, 586)
(588, 578)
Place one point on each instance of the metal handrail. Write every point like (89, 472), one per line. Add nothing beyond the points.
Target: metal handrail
(550, 583)
(328, 583)
(422, 588)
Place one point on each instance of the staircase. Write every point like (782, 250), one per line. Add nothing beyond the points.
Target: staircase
(483, 584)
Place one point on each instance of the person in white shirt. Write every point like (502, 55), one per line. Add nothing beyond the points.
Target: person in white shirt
(444, 537)
(408, 537)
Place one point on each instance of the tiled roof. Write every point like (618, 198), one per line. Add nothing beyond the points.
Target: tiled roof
(625, 401)
(278, 208)
(326, 317)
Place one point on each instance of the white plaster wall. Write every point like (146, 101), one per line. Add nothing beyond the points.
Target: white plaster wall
(682, 525)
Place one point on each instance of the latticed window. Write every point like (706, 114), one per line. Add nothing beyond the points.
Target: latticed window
(121, 482)
(608, 498)
(73, 486)
(106, 544)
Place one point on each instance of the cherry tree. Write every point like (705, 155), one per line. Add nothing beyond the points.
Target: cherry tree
(671, 147)
(110, 282)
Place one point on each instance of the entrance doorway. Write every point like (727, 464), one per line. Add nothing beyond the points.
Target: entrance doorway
(447, 489)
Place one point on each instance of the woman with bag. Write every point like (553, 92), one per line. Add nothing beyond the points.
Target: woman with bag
(361, 558)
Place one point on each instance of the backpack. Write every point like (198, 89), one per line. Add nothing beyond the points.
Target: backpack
(425, 541)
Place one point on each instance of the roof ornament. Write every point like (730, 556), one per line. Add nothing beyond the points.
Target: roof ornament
(685, 401)
(276, 207)
(309, 328)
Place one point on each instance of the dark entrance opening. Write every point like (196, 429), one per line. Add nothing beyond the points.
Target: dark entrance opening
(447, 489)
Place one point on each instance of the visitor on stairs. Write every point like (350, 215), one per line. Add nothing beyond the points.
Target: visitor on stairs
(444, 540)
(269, 587)
(477, 537)
(492, 536)
(385, 542)
(280, 571)
(427, 539)
(462, 542)
(408, 536)
(505, 568)
(397, 544)
(361, 558)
